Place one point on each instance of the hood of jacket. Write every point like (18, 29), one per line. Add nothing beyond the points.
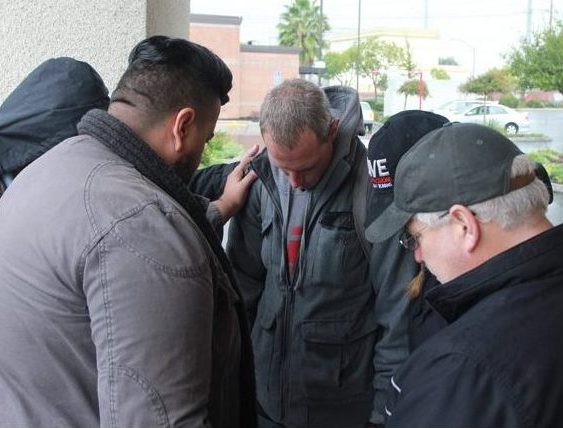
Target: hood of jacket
(44, 109)
(345, 106)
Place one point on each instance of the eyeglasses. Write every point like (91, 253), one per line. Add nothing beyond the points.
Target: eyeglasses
(410, 241)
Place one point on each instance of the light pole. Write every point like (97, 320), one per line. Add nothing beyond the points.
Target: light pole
(470, 46)
(320, 38)
(358, 51)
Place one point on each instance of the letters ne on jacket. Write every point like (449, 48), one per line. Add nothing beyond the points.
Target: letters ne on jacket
(314, 338)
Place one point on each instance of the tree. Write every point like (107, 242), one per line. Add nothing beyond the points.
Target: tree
(375, 58)
(407, 61)
(339, 66)
(300, 27)
(439, 74)
(538, 62)
(413, 87)
(493, 81)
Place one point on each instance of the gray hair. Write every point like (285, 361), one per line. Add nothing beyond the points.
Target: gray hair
(292, 107)
(507, 210)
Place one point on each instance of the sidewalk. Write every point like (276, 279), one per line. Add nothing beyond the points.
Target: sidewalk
(238, 127)
(244, 132)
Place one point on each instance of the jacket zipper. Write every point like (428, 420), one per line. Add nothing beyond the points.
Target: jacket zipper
(286, 333)
(287, 309)
(289, 300)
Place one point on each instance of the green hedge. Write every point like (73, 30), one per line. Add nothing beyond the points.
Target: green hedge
(376, 104)
(509, 101)
(221, 148)
(534, 104)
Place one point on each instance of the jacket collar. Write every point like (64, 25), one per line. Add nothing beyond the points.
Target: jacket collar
(533, 259)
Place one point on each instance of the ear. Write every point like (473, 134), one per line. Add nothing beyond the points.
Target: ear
(333, 129)
(181, 125)
(468, 227)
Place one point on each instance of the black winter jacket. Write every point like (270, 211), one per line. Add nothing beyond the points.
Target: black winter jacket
(44, 110)
(499, 363)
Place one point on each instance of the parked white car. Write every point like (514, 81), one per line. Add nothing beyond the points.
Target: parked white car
(456, 107)
(367, 115)
(511, 120)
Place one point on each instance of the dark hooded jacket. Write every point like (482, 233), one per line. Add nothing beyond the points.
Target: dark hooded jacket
(44, 109)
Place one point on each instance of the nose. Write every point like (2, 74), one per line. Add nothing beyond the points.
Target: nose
(295, 180)
(418, 254)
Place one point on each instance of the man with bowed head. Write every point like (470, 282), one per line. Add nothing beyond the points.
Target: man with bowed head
(298, 253)
(473, 211)
(117, 303)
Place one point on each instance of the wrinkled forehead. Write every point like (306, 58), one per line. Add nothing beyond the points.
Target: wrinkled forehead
(300, 156)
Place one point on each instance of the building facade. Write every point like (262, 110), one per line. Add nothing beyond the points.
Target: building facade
(256, 69)
(100, 32)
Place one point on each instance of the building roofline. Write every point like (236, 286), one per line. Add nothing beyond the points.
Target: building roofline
(199, 18)
(269, 49)
(416, 33)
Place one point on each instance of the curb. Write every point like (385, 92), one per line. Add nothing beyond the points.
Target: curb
(530, 140)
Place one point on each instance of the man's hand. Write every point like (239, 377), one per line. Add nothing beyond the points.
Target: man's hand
(237, 186)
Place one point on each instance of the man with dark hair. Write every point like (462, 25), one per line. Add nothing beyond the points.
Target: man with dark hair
(117, 303)
(472, 208)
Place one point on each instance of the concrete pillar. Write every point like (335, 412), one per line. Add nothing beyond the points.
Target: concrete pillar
(168, 18)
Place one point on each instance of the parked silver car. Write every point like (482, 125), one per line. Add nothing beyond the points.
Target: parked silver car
(511, 120)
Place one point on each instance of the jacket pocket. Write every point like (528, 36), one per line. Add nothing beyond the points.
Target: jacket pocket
(264, 343)
(337, 360)
(343, 261)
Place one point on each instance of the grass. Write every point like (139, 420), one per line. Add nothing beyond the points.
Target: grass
(552, 160)
(533, 136)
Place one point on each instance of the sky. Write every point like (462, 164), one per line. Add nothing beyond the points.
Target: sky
(490, 27)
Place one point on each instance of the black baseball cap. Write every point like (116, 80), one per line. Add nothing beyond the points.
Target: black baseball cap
(460, 163)
(392, 140)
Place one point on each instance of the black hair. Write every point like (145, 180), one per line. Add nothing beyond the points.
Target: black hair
(165, 74)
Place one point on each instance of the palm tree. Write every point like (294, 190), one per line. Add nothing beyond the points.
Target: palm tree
(300, 26)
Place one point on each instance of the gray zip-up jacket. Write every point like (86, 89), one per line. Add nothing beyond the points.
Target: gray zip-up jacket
(114, 310)
(313, 338)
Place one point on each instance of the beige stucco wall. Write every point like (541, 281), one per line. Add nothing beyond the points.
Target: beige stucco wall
(100, 32)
